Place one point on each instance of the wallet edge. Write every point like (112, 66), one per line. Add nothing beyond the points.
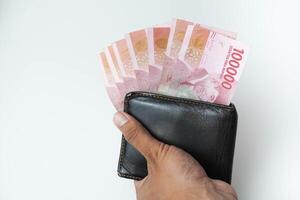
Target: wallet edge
(120, 165)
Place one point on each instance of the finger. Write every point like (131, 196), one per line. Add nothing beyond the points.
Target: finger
(138, 184)
(225, 188)
(137, 135)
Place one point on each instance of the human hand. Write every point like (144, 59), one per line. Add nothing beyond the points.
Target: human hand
(172, 173)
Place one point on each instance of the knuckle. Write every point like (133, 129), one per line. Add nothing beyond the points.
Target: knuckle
(163, 150)
(157, 153)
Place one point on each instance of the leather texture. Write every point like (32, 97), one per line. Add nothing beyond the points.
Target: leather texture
(206, 131)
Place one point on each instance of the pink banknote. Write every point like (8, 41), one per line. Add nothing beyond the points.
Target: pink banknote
(182, 32)
(138, 49)
(219, 70)
(178, 42)
(180, 69)
(115, 71)
(109, 82)
(181, 58)
(194, 43)
(123, 60)
(157, 40)
(177, 34)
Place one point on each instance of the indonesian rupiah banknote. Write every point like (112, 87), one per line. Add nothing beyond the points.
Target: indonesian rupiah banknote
(209, 67)
(157, 40)
(178, 42)
(181, 58)
(109, 82)
(138, 50)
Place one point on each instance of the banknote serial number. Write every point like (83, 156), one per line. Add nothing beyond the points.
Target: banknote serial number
(234, 63)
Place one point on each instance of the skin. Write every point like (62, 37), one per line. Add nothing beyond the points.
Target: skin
(173, 174)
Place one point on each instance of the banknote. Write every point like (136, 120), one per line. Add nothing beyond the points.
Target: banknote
(189, 55)
(115, 71)
(181, 58)
(123, 60)
(219, 71)
(178, 30)
(109, 83)
(138, 49)
(157, 40)
(193, 45)
(177, 34)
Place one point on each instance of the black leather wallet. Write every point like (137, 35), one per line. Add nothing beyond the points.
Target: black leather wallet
(205, 130)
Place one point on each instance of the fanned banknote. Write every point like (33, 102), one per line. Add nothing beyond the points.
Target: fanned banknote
(210, 71)
(177, 33)
(109, 82)
(157, 40)
(123, 59)
(181, 58)
(138, 49)
(115, 71)
(181, 31)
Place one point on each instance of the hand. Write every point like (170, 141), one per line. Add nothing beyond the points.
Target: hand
(172, 173)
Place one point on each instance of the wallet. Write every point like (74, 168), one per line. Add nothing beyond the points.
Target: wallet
(205, 130)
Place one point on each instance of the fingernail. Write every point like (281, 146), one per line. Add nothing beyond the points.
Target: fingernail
(120, 119)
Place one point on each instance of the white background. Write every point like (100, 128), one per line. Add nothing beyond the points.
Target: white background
(57, 140)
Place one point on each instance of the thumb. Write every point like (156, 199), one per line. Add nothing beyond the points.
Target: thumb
(137, 135)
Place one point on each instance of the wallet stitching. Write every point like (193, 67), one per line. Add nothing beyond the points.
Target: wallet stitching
(125, 175)
(130, 176)
(122, 153)
(123, 147)
(131, 95)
